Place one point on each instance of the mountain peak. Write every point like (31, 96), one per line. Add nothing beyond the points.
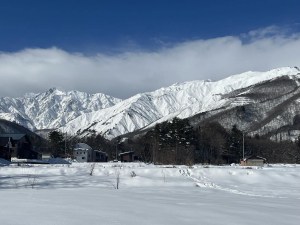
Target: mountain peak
(56, 91)
(182, 100)
(79, 111)
(53, 108)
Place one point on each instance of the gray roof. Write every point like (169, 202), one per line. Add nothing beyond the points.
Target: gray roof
(13, 136)
(100, 152)
(254, 157)
(4, 138)
(82, 146)
(125, 153)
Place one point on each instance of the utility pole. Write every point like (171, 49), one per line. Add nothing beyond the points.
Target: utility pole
(65, 144)
(117, 152)
(243, 146)
(9, 145)
(65, 133)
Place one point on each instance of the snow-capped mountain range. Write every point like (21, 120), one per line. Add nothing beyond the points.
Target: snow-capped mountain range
(82, 114)
(52, 109)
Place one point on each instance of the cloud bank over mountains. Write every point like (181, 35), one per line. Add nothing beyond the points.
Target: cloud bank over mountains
(125, 74)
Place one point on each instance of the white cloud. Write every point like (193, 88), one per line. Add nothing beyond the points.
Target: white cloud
(122, 75)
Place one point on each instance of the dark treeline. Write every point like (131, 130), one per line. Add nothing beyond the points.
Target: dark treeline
(177, 142)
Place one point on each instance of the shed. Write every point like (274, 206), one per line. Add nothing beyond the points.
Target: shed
(253, 161)
(46, 156)
(126, 156)
(99, 156)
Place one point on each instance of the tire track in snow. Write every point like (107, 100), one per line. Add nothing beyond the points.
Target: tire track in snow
(204, 182)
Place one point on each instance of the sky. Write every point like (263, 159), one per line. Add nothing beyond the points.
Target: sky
(123, 47)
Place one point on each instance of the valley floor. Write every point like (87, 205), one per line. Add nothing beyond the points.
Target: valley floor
(148, 194)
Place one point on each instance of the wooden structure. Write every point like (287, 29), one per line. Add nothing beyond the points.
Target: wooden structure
(126, 156)
(99, 156)
(253, 161)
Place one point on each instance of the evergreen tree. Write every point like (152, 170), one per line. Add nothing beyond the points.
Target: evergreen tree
(235, 145)
(56, 139)
(297, 155)
(212, 144)
(173, 142)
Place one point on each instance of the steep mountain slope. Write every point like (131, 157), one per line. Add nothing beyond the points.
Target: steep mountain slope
(270, 108)
(181, 100)
(7, 127)
(52, 109)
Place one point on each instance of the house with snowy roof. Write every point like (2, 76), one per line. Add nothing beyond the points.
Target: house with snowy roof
(253, 161)
(84, 153)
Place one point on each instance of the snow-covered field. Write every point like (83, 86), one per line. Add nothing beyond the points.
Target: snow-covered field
(148, 194)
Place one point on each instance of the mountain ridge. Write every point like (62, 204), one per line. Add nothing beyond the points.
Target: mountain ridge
(51, 109)
(111, 117)
(165, 103)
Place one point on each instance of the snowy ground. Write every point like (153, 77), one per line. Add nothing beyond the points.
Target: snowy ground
(68, 194)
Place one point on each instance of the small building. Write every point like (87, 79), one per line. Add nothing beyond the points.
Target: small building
(126, 156)
(99, 156)
(46, 156)
(253, 161)
(16, 145)
(5, 148)
(83, 153)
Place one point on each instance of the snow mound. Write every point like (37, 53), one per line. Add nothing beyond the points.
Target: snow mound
(4, 162)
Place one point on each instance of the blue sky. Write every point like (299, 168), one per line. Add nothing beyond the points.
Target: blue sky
(129, 46)
(112, 25)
